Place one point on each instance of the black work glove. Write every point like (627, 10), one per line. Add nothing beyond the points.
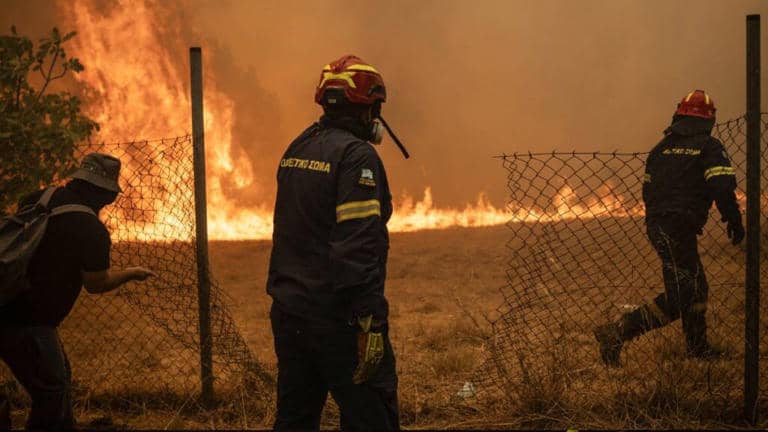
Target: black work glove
(370, 350)
(735, 229)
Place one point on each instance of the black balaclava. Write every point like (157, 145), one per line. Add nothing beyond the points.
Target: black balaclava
(690, 125)
(350, 117)
(93, 196)
(364, 124)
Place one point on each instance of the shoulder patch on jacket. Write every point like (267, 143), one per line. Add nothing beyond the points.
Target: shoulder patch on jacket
(366, 178)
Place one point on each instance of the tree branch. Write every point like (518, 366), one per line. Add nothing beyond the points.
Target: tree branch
(19, 81)
(63, 72)
(50, 71)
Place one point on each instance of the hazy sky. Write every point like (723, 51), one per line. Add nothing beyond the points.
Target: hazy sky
(466, 80)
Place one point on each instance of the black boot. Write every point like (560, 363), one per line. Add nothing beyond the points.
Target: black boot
(611, 337)
(708, 352)
(695, 329)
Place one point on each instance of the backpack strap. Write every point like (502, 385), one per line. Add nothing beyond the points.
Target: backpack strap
(46, 197)
(66, 208)
(70, 208)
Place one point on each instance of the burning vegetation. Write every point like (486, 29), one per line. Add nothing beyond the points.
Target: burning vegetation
(136, 89)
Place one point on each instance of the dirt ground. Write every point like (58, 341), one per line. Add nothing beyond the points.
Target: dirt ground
(435, 278)
(444, 288)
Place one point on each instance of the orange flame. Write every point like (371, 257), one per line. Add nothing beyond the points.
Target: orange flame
(603, 202)
(414, 216)
(135, 91)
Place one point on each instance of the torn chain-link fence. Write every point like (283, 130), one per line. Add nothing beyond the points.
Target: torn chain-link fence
(143, 339)
(581, 258)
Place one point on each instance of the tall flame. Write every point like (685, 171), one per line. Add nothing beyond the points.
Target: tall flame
(135, 91)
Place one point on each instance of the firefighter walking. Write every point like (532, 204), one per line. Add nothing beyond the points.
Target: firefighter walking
(684, 174)
(328, 261)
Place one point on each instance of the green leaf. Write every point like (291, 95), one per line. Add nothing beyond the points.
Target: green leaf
(68, 36)
(38, 134)
(74, 65)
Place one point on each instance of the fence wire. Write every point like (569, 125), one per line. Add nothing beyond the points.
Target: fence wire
(143, 338)
(580, 258)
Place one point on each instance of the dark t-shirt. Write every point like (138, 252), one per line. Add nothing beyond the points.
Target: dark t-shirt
(73, 242)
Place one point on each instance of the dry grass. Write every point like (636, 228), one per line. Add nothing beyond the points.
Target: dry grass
(443, 288)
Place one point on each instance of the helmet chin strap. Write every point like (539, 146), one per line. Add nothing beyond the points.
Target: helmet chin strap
(394, 137)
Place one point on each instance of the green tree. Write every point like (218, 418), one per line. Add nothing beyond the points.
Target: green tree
(39, 130)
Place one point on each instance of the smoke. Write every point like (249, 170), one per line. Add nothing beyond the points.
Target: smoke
(466, 80)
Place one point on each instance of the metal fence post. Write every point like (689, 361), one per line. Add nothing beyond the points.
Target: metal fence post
(752, 327)
(201, 226)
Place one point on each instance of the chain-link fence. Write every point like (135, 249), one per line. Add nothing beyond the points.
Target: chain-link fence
(580, 258)
(143, 338)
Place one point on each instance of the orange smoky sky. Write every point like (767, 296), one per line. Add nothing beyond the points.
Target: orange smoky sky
(466, 80)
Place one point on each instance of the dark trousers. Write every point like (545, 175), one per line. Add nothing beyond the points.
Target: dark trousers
(313, 360)
(685, 284)
(37, 359)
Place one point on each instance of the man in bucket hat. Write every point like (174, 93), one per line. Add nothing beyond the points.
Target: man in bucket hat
(74, 252)
(100, 170)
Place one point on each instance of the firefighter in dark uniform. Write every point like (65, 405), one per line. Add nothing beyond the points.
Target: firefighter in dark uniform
(684, 174)
(328, 261)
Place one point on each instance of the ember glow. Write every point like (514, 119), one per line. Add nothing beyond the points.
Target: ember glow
(135, 90)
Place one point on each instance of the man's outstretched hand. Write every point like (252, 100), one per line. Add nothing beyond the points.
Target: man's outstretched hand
(140, 273)
(103, 281)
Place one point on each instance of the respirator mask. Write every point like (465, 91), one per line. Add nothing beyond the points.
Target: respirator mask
(377, 130)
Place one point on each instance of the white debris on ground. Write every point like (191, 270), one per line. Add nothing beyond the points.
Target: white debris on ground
(467, 391)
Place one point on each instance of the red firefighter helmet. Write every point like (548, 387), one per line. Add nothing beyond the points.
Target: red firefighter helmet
(697, 104)
(350, 80)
